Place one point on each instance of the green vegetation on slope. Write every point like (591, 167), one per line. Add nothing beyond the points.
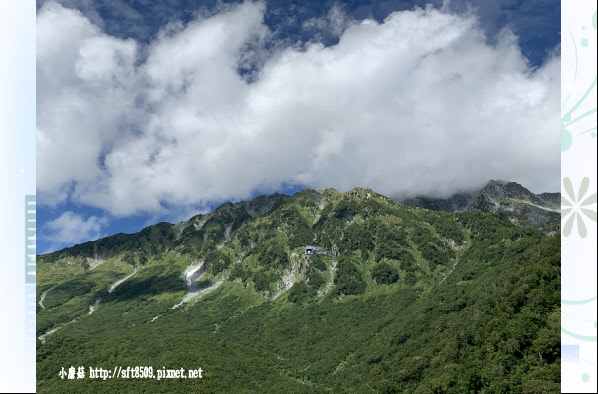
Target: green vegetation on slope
(408, 300)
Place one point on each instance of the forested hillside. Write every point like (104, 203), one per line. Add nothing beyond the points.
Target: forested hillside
(406, 300)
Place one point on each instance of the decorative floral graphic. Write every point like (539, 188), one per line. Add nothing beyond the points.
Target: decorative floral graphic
(575, 207)
(584, 120)
(578, 130)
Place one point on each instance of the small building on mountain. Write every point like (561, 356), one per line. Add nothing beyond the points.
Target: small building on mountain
(313, 250)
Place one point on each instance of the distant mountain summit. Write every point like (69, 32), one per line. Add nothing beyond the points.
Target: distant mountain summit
(507, 199)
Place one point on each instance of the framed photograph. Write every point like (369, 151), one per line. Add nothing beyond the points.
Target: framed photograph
(338, 196)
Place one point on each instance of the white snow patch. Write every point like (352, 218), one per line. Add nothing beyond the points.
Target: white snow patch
(42, 338)
(192, 274)
(196, 294)
(41, 299)
(94, 262)
(93, 307)
(118, 282)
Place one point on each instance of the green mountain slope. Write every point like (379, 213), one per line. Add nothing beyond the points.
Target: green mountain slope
(407, 300)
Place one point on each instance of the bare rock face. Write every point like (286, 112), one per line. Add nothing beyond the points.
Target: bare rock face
(507, 199)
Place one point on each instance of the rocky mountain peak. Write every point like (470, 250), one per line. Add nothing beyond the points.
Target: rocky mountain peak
(505, 198)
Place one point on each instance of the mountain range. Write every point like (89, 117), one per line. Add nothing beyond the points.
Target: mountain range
(429, 295)
(508, 199)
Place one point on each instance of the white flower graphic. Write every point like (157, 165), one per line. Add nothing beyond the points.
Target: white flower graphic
(575, 207)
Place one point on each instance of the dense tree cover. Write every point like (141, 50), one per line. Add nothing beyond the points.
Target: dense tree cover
(384, 274)
(371, 208)
(317, 261)
(449, 229)
(240, 272)
(307, 290)
(271, 253)
(491, 336)
(386, 314)
(391, 243)
(407, 261)
(262, 280)
(346, 209)
(436, 254)
(217, 261)
(295, 227)
(421, 235)
(299, 292)
(328, 232)
(348, 279)
(359, 237)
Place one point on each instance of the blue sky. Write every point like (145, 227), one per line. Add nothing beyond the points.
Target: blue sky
(154, 111)
(536, 22)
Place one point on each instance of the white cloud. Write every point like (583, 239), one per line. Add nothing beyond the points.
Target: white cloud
(417, 104)
(85, 98)
(69, 229)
